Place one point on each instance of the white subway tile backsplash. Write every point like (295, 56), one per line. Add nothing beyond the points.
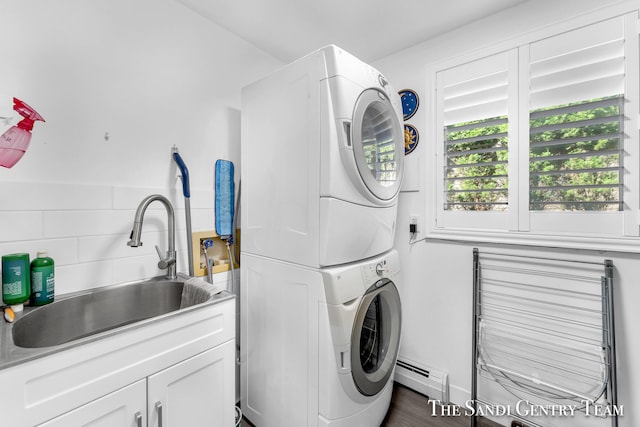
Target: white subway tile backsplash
(114, 246)
(130, 197)
(34, 196)
(203, 219)
(85, 229)
(203, 198)
(136, 268)
(181, 223)
(63, 251)
(97, 248)
(20, 226)
(86, 223)
(79, 277)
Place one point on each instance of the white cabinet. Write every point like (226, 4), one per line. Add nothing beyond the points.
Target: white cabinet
(125, 407)
(197, 392)
(186, 362)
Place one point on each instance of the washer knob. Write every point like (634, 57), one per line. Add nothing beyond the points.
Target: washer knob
(380, 269)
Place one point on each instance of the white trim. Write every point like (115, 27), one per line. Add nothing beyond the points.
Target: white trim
(522, 185)
(438, 155)
(491, 220)
(429, 175)
(515, 148)
(556, 240)
(631, 125)
(577, 223)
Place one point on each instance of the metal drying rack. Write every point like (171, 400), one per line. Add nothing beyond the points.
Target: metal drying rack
(543, 329)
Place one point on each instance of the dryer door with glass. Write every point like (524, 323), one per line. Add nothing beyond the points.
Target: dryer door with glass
(378, 144)
(376, 337)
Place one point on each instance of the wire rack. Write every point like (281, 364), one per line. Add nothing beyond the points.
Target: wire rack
(543, 329)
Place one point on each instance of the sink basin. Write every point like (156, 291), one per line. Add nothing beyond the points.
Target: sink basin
(96, 311)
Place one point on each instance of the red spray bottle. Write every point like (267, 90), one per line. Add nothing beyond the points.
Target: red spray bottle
(15, 141)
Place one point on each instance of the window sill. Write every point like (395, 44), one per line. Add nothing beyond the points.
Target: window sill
(591, 243)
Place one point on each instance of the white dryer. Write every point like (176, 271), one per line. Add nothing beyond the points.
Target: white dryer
(322, 161)
(318, 346)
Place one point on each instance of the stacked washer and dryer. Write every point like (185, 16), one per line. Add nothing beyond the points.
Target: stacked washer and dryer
(322, 162)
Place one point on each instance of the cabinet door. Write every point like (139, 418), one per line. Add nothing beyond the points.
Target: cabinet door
(197, 392)
(125, 407)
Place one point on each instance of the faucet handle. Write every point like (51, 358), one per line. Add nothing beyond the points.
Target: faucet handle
(166, 260)
(159, 252)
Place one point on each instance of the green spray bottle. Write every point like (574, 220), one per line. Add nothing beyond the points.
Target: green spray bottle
(16, 285)
(42, 279)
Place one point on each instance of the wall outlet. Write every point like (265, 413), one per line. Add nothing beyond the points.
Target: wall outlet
(413, 224)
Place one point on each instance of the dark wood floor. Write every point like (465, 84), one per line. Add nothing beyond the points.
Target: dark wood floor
(411, 409)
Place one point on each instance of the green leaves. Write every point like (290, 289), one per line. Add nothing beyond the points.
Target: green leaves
(477, 165)
(574, 159)
(575, 156)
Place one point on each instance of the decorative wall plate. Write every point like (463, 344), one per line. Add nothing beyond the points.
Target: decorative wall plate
(411, 138)
(410, 103)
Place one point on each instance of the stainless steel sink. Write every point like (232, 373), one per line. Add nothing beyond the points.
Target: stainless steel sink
(96, 311)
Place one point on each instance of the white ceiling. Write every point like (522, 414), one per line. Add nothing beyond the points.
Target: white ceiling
(370, 29)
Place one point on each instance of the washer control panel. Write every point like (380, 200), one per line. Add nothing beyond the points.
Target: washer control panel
(385, 267)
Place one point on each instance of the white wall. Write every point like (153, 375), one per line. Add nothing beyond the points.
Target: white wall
(437, 275)
(150, 74)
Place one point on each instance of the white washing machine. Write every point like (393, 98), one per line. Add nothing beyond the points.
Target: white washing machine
(322, 161)
(318, 346)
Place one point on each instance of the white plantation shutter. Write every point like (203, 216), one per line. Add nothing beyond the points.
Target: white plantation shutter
(582, 64)
(541, 137)
(577, 82)
(475, 100)
(475, 91)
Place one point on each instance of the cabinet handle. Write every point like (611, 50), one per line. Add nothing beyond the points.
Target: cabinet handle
(159, 410)
(138, 418)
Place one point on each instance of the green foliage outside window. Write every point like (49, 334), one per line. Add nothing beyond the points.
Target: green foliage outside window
(477, 155)
(575, 156)
(574, 164)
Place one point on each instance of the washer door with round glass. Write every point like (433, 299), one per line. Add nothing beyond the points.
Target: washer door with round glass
(375, 337)
(378, 144)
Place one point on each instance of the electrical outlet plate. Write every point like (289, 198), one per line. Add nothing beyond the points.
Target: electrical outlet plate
(413, 224)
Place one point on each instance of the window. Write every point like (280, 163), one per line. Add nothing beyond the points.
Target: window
(575, 156)
(476, 163)
(532, 139)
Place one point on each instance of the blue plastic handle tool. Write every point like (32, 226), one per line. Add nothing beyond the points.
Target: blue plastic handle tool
(185, 174)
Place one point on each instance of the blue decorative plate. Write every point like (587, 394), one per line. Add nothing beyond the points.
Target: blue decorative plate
(410, 103)
(411, 138)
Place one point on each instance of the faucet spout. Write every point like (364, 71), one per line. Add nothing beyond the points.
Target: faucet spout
(167, 262)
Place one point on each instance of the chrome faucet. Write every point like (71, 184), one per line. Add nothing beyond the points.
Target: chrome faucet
(168, 261)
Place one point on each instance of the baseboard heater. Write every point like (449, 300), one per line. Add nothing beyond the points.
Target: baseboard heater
(430, 382)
